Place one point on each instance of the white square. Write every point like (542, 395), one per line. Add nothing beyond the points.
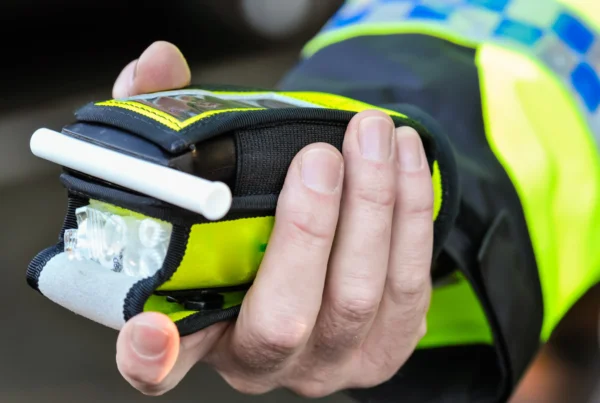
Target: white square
(593, 56)
(594, 123)
(556, 55)
(474, 22)
(390, 12)
(533, 12)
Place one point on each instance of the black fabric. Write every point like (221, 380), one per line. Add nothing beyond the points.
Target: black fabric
(490, 243)
(191, 293)
(469, 374)
(494, 265)
(178, 141)
(38, 263)
(265, 152)
(200, 320)
(519, 320)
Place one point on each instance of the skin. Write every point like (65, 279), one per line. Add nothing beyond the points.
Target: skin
(354, 232)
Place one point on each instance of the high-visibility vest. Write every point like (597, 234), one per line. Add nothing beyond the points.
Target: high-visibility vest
(515, 84)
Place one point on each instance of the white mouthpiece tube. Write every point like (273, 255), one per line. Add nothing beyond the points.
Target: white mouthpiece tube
(211, 199)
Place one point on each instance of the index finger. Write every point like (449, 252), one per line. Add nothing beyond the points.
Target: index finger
(281, 308)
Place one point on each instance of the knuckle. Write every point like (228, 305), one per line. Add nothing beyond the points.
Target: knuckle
(417, 206)
(416, 283)
(333, 338)
(266, 347)
(356, 310)
(417, 201)
(309, 228)
(284, 339)
(377, 191)
(409, 289)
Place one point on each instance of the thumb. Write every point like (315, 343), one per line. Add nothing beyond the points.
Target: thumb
(152, 357)
(161, 67)
(147, 349)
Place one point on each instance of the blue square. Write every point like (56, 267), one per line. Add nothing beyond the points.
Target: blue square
(494, 5)
(586, 82)
(430, 13)
(576, 35)
(526, 34)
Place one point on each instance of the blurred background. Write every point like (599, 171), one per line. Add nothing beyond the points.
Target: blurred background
(58, 55)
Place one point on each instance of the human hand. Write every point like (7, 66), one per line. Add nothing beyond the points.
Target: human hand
(341, 295)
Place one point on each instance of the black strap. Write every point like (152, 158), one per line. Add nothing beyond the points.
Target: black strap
(497, 266)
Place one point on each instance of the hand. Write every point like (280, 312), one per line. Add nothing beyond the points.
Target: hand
(341, 296)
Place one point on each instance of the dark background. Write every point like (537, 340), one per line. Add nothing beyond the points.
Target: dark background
(58, 55)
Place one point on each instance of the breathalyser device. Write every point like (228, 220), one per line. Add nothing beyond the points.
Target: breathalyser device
(172, 196)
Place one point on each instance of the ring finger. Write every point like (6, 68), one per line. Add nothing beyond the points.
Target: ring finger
(358, 265)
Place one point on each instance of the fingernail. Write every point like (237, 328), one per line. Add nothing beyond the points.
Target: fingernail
(149, 341)
(410, 154)
(375, 138)
(321, 170)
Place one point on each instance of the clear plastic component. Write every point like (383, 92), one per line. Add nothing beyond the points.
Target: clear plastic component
(153, 233)
(119, 242)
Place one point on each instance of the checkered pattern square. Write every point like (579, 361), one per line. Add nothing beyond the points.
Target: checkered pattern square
(551, 33)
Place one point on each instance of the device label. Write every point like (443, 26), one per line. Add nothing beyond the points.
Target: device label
(186, 104)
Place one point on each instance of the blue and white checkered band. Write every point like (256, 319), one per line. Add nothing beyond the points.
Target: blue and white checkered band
(549, 32)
